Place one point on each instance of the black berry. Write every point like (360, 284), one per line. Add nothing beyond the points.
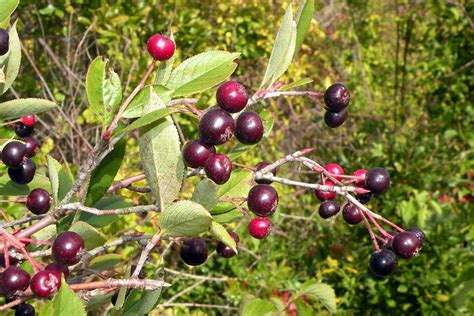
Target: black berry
(419, 234)
(335, 119)
(68, 248)
(378, 180)
(262, 200)
(32, 146)
(406, 245)
(352, 215)
(15, 279)
(194, 251)
(13, 154)
(383, 262)
(22, 130)
(232, 97)
(249, 128)
(38, 201)
(336, 97)
(58, 268)
(25, 310)
(262, 165)
(329, 208)
(364, 198)
(24, 174)
(4, 42)
(225, 251)
(259, 227)
(196, 152)
(45, 283)
(216, 127)
(218, 168)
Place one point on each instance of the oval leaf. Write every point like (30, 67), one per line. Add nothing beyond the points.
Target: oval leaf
(13, 59)
(19, 107)
(303, 21)
(7, 7)
(94, 81)
(185, 219)
(92, 237)
(105, 262)
(135, 108)
(206, 194)
(147, 119)
(321, 292)
(258, 307)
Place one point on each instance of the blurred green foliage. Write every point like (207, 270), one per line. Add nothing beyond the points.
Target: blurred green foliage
(409, 67)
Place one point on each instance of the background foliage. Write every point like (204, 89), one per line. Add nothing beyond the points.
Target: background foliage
(409, 66)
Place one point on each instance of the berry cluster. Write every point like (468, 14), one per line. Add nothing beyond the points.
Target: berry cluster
(336, 99)
(4, 42)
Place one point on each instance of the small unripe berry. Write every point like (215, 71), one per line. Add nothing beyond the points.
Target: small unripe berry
(160, 48)
(361, 174)
(38, 201)
(262, 165)
(328, 209)
(13, 154)
(336, 97)
(249, 128)
(218, 168)
(194, 251)
(216, 127)
(68, 248)
(21, 130)
(196, 153)
(335, 170)
(24, 174)
(4, 42)
(335, 119)
(326, 195)
(383, 262)
(46, 283)
(262, 200)
(259, 227)
(377, 180)
(28, 120)
(226, 251)
(232, 97)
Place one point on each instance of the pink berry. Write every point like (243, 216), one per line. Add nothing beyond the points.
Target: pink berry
(160, 48)
(361, 173)
(335, 170)
(260, 227)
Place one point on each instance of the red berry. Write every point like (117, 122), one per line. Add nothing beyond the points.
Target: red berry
(336, 97)
(335, 119)
(216, 127)
(325, 195)
(232, 97)
(194, 251)
(160, 48)
(32, 146)
(377, 180)
(28, 120)
(262, 165)
(68, 248)
(218, 168)
(406, 245)
(196, 153)
(249, 128)
(352, 215)
(38, 201)
(45, 283)
(361, 173)
(58, 268)
(24, 174)
(13, 154)
(226, 251)
(262, 200)
(335, 170)
(328, 209)
(259, 227)
(15, 279)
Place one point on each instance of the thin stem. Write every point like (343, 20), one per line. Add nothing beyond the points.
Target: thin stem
(371, 233)
(120, 211)
(144, 255)
(124, 183)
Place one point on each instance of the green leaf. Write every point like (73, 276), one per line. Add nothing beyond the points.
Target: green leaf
(321, 292)
(108, 203)
(304, 14)
(92, 237)
(238, 186)
(65, 302)
(184, 219)
(19, 107)
(221, 234)
(94, 81)
(160, 150)
(135, 108)
(141, 302)
(12, 60)
(7, 7)
(258, 307)
(7, 187)
(105, 262)
(97, 301)
(295, 84)
(112, 90)
(147, 119)
(53, 171)
(230, 216)
(206, 194)
(303, 309)
(103, 176)
(283, 50)
(202, 72)
(163, 73)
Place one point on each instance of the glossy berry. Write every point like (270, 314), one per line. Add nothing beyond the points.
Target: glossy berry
(352, 215)
(406, 245)
(196, 152)
(24, 174)
(383, 262)
(13, 154)
(68, 248)
(218, 168)
(329, 208)
(335, 170)
(249, 128)
(216, 127)
(38, 201)
(361, 174)
(58, 268)
(364, 198)
(194, 251)
(419, 234)
(335, 119)
(262, 200)
(15, 279)
(160, 48)
(28, 120)
(262, 165)
(336, 97)
(4, 42)
(325, 195)
(32, 146)
(22, 130)
(232, 97)
(25, 310)
(225, 251)
(377, 180)
(45, 283)
(259, 227)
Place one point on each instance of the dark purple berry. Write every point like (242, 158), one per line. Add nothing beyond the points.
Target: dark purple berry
(262, 200)
(4, 42)
(249, 128)
(218, 168)
(38, 201)
(378, 180)
(13, 261)
(32, 146)
(364, 198)
(352, 215)
(336, 97)
(226, 251)
(25, 309)
(216, 127)
(24, 174)
(196, 152)
(22, 130)
(194, 251)
(68, 248)
(328, 209)
(45, 283)
(406, 245)
(326, 195)
(419, 234)
(262, 165)
(58, 268)
(15, 279)
(383, 262)
(13, 154)
(335, 119)
(232, 97)
(259, 227)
